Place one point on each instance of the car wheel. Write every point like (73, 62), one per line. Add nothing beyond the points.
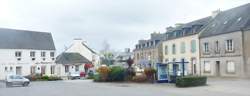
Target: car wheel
(8, 84)
(25, 83)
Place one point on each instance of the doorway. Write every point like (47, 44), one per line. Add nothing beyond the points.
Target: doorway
(217, 70)
(193, 66)
(19, 70)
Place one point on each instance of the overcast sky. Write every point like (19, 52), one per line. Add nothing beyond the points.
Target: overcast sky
(120, 22)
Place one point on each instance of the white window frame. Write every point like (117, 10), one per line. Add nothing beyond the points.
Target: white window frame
(207, 66)
(18, 53)
(229, 45)
(206, 47)
(231, 67)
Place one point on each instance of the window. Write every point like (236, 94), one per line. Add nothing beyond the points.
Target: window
(32, 69)
(217, 46)
(33, 59)
(66, 68)
(11, 68)
(43, 69)
(183, 49)
(52, 54)
(166, 50)
(229, 45)
(43, 54)
(206, 50)
(207, 66)
(77, 68)
(18, 53)
(166, 60)
(193, 46)
(32, 54)
(230, 67)
(6, 69)
(173, 49)
(52, 69)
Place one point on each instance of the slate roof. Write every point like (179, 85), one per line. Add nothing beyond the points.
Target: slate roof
(71, 58)
(228, 21)
(23, 39)
(202, 23)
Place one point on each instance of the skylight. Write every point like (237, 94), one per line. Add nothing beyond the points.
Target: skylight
(239, 19)
(225, 22)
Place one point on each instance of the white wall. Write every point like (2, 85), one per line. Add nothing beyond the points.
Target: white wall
(8, 60)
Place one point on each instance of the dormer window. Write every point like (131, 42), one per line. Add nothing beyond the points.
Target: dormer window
(213, 25)
(239, 19)
(225, 22)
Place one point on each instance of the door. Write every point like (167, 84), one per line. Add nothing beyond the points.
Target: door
(217, 70)
(193, 66)
(19, 70)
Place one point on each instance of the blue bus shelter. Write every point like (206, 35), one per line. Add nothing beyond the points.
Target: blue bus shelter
(167, 72)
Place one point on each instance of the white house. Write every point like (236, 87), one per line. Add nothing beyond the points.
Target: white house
(69, 62)
(80, 46)
(26, 52)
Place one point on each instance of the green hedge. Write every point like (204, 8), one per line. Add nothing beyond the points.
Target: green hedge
(117, 73)
(191, 81)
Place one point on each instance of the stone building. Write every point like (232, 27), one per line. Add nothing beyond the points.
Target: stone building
(148, 52)
(225, 44)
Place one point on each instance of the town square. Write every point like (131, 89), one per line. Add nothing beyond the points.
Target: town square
(124, 47)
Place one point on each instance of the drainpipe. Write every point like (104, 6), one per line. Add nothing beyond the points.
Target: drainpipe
(243, 54)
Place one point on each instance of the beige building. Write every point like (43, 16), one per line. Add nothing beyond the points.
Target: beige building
(182, 42)
(148, 52)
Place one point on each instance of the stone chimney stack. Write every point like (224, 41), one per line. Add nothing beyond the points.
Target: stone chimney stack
(79, 40)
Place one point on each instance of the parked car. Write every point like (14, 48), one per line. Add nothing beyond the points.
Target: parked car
(74, 75)
(16, 80)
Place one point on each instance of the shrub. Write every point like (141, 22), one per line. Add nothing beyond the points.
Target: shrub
(149, 71)
(97, 78)
(139, 78)
(54, 78)
(103, 72)
(116, 73)
(46, 78)
(191, 81)
(90, 75)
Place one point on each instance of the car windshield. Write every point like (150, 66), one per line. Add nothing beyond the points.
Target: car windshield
(18, 77)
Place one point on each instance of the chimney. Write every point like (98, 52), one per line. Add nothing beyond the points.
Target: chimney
(127, 50)
(178, 24)
(170, 28)
(215, 13)
(79, 40)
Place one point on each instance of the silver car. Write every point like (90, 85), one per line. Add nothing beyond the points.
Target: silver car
(16, 80)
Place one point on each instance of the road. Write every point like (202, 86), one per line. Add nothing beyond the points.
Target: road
(216, 87)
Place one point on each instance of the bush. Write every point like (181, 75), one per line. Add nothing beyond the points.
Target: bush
(97, 78)
(103, 72)
(191, 81)
(46, 78)
(116, 73)
(90, 75)
(38, 77)
(54, 78)
(149, 71)
(139, 78)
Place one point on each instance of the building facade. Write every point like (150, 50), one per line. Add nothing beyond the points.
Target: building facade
(225, 44)
(148, 52)
(26, 52)
(182, 42)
